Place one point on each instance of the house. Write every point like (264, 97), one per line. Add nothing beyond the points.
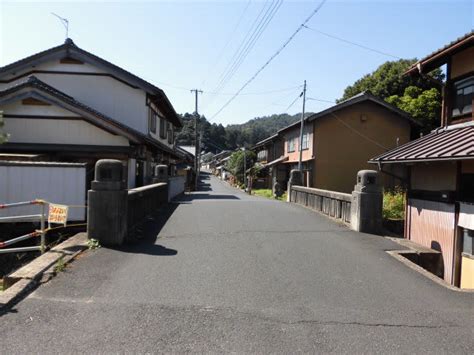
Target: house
(440, 196)
(69, 105)
(338, 141)
(291, 151)
(269, 154)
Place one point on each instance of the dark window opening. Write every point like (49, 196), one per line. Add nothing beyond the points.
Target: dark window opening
(163, 131)
(466, 188)
(152, 118)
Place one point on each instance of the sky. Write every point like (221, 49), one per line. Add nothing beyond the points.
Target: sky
(182, 45)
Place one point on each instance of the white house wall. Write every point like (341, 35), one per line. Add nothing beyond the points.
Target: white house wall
(61, 185)
(54, 130)
(106, 95)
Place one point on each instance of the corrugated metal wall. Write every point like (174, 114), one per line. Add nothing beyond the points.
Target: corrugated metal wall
(431, 224)
(58, 184)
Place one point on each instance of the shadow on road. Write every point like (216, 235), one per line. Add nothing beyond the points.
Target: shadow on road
(198, 196)
(144, 239)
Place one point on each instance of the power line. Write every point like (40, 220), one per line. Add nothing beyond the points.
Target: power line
(271, 11)
(247, 44)
(218, 58)
(256, 93)
(271, 58)
(293, 102)
(350, 42)
(320, 100)
(358, 132)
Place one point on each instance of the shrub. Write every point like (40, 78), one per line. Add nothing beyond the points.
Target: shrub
(394, 204)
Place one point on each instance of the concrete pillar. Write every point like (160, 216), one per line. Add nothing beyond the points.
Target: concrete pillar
(296, 178)
(107, 204)
(366, 205)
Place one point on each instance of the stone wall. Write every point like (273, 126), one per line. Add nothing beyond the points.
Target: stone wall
(334, 204)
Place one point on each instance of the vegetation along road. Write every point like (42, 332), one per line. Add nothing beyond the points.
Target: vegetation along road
(228, 272)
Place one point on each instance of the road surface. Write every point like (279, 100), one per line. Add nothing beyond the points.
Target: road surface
(227, 272)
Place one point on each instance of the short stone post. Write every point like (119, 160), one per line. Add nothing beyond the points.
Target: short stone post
(296, 178)
(160, 174)
(107, 204)
(367, 200)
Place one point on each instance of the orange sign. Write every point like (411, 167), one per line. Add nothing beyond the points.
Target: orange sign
(58, 214)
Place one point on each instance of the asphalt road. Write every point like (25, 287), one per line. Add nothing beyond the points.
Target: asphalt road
(232, 273)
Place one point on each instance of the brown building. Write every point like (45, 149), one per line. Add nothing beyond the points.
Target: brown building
(440, 197)
(348, 133)
(269, 153)
(338, 141)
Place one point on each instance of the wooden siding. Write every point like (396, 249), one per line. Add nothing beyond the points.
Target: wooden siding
(432, 224)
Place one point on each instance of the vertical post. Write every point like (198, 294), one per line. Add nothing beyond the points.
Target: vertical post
(302, 127)
(43, 229)
(196, 141)
(245, 169)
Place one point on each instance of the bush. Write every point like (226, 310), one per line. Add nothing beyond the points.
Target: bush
(394, 204)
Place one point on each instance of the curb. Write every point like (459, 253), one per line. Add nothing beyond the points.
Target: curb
(40, 270)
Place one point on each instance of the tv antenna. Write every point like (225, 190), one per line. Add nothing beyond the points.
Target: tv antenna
(65, 23)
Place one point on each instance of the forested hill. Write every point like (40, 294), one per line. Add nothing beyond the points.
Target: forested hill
(217, 137)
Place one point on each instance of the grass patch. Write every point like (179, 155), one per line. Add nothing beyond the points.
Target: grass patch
(267, 193)
(394, 204)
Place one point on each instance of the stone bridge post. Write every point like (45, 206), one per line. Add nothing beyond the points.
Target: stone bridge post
(107, 204)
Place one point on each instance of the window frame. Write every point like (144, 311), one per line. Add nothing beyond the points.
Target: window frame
(305, 141)
(291, 148)
(152, 117)
(169, 127)
(163, 128)
(457, 85)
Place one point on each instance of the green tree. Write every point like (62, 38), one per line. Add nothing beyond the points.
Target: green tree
(418, 95)
(424, 106)
(236, 163)
(389, 79)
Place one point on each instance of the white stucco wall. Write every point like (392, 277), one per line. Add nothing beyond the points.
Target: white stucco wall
(105, 94)
(53, 130)
(156, 135)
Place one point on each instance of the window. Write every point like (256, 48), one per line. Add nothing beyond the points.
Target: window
(262, 155)
(291, 145)
(163, 128)
(305, 141)
(152, 120)
(170, 133)
(463, 96)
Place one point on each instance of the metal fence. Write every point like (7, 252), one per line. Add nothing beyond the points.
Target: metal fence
(41, 217)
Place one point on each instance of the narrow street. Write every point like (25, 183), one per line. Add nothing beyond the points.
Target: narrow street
(228, 272)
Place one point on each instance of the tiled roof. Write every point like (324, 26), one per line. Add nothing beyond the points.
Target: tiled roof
(452, 143)
(34, 82)
(70, 47)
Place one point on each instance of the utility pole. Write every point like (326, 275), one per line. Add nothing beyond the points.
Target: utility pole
(302, 127)
(196, 140)
(245, 169)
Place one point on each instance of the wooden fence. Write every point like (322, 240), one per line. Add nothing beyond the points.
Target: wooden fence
(334, 204)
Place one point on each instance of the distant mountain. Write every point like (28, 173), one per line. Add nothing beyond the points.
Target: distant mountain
(216, 137)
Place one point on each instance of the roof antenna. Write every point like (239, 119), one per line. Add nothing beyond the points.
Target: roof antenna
(65, 23)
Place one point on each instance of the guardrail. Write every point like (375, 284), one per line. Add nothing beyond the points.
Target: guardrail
(331, 203)
(26, 218)
(41, 217)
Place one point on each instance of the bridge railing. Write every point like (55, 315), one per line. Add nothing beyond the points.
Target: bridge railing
(331, 203)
